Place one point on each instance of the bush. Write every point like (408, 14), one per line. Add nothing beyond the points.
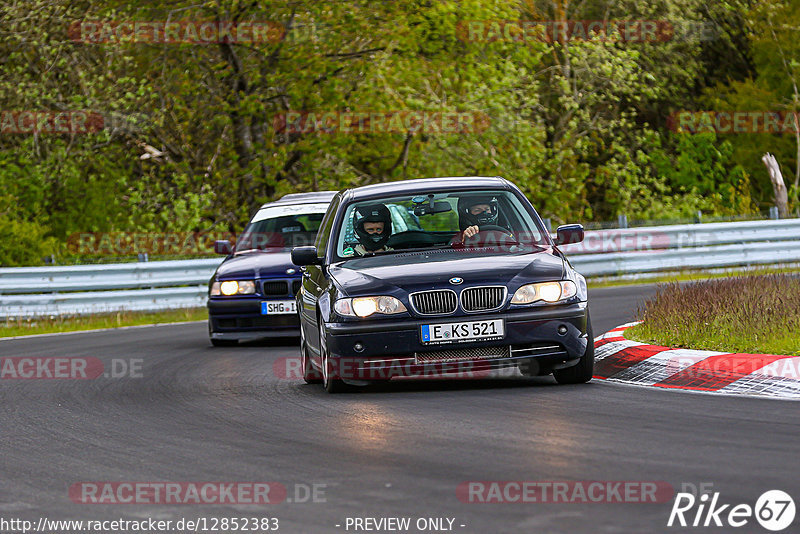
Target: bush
(23, 243)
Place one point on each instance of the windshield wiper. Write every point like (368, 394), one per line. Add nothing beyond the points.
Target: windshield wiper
(457, 246)
(404, 250)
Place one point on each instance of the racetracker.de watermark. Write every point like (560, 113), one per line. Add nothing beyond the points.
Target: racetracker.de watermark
(755, 366)
(734, 122)
(124, 243)
(565, 492)
(377, 122)
(50, 122)
(244, 522)
(175, 32)
(615, 31)
(195, 492)
(291, 368)
(68, 368)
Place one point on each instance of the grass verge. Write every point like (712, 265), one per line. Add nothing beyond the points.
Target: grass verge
(686, 276)
(750, 314)
(49, 325)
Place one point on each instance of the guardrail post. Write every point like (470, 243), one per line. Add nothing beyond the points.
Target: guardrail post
(773, 213)
(622, 221)
(548, 225)
(698, 217)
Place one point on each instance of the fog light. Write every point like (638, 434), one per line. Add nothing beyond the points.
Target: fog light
(358, 347)
(562, 330)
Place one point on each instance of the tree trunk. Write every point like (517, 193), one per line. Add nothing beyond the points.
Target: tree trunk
(775, 176)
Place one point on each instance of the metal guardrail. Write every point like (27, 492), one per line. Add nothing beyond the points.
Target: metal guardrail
(17, 280)
(86, 289)
(90, 302)
(684, 236)
(621, 263)
(687, 246)
(162, 285)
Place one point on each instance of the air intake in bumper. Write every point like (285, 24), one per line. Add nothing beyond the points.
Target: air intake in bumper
(457, 355)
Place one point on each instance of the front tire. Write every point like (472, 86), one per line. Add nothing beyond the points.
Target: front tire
(329, 380)
(583, 371)
(310, 374)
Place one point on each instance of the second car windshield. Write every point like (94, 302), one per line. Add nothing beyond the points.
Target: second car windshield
(281, 227)
(437, 221)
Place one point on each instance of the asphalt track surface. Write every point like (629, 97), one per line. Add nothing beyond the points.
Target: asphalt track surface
(199, 413)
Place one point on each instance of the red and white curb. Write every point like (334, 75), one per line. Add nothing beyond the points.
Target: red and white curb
(620, 359)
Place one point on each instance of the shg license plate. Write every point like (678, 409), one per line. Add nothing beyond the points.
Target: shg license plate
(278, 307)
(459, 332)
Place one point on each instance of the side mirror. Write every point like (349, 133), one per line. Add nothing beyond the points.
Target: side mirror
(569, 234)
(303, 256)
(222, 247)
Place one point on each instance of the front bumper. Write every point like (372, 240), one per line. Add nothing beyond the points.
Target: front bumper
(240, 318)
(393, 347)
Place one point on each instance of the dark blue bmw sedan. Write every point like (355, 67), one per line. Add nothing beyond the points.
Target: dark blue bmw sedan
(251, 295)
(473, 285)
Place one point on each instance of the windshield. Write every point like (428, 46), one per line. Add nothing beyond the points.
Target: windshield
(282, 227)
(477, 221)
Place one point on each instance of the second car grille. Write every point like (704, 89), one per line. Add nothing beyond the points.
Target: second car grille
(477, 299)
(434, 302)
(275, 288)
(296, 285)
(480, 353)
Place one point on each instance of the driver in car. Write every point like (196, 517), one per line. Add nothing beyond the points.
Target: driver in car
(373, 228)
(475, 212)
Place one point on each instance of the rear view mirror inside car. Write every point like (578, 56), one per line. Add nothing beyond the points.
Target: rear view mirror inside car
(438, 207)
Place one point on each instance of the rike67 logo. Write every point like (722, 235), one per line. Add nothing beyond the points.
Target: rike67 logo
(774, 510)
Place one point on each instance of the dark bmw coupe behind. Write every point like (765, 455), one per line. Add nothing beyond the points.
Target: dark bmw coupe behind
(251, 295)
(474, 285)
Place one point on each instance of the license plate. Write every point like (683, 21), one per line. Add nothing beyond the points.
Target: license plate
(278, 307)
(461, 332)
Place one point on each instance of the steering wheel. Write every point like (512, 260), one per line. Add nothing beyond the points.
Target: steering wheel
(484, 235)
(494, 228)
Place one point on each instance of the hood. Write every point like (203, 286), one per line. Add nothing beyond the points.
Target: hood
(387, 274)
(256, 264)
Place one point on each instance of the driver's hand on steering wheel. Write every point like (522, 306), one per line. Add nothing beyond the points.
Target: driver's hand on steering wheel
(471, 231)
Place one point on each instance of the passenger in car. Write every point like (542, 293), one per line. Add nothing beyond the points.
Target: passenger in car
(373, 228)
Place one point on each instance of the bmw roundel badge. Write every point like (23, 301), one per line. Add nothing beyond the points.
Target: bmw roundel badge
(456, 280)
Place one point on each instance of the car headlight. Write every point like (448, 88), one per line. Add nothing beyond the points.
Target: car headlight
(546, 291)
(366, 306)
(233, 287)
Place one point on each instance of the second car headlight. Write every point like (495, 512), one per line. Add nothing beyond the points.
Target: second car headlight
(546, 291)
(233, 287)
(366, 306)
